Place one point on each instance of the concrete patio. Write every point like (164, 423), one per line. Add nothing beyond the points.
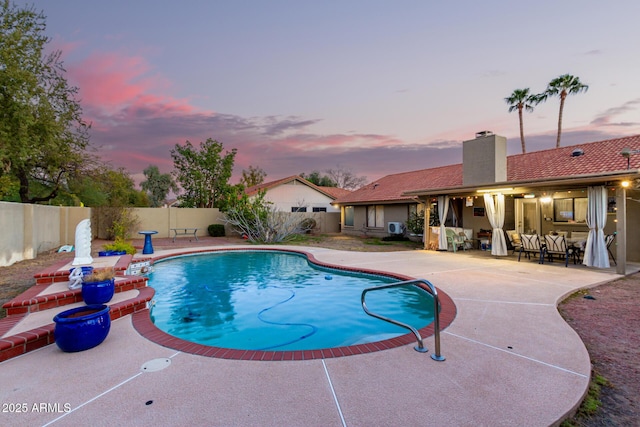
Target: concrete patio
(510, 360)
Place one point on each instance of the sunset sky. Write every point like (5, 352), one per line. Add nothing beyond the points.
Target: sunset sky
(378, 87)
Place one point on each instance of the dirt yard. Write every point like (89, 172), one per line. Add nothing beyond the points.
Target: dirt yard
(608, 320)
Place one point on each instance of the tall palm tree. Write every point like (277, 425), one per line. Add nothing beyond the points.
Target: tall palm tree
(522, 99)
(562, 86)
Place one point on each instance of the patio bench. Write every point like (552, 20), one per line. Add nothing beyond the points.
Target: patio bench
(184, 232)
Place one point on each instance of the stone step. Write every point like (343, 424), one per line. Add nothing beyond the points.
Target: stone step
(44, 296)
(29, 321)
(32, 339)
(60, 271)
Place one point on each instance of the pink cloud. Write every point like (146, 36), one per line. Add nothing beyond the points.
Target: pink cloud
(112, 84)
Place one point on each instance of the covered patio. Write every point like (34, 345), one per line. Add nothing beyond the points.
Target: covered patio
(561, 197)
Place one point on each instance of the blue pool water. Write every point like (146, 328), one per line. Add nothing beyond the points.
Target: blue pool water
(267, 300)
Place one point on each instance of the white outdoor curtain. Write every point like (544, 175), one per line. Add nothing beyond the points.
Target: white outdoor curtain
(443, 209)
(495, 213)
(595, 251)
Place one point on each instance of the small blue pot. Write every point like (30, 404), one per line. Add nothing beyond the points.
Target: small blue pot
(98, 292)
(81, 328)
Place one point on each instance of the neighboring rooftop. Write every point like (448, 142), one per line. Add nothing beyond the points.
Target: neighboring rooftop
(331, 192)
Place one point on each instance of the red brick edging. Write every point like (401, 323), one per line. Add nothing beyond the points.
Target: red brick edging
(143, 324)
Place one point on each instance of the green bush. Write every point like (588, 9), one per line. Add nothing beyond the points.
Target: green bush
(120, 245)
(415, 223)
(216, 230)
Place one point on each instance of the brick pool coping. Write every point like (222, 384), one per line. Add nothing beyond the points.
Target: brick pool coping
(141, 321)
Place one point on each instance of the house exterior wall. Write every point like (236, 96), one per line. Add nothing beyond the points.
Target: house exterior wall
(398, 212)
(633, 231)
(295, 194)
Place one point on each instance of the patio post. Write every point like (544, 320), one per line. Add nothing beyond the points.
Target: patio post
(621, 230)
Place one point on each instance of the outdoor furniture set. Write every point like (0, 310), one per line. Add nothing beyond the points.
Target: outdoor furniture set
(555, 244)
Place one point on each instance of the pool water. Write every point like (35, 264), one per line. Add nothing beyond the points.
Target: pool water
(268, 300)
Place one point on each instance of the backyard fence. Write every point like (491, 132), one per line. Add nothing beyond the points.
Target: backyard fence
(32, 229)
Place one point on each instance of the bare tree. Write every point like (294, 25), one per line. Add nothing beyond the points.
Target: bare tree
(261, 222)
(345, 178)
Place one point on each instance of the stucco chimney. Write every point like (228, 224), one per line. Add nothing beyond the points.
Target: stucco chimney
(484, 159)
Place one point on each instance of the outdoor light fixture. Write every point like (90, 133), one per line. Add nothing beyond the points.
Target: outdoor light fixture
(495, 190)
(529, 196)
(625, 184)
(626, 153)
(546, 199)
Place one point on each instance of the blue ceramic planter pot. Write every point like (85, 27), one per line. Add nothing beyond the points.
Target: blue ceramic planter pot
(111, 253)
(81, 328)
(98, 292)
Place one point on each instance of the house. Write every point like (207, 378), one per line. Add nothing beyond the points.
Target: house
(296, 194)
(370, 209)
(542, 192)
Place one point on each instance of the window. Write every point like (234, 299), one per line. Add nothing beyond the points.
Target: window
(570, 210)
(319, 209)
(348, 216)
(298, 209)
(416, 209)
(375, 216)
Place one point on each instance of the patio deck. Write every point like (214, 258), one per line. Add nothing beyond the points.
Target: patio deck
(511, 360)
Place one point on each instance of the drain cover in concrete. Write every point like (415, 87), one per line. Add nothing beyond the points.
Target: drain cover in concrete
(155, 365)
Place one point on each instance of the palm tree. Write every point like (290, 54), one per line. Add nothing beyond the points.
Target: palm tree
(522, 99)
(562, 86)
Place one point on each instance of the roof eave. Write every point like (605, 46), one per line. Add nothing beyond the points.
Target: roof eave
(376, 202)
(514, 187)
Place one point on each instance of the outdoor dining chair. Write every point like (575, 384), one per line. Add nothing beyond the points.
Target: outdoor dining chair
(514, 240)
(557, 245)
(530, 244)
(608, 239)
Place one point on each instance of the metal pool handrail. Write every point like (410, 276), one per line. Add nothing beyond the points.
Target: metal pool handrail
(436, 314)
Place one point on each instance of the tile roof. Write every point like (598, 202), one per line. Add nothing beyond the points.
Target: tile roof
(335, 192)
(598, 157)
(391, 187)
(253, 190)
(332, 192)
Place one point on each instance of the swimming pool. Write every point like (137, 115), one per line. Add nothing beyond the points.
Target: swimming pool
(276, 301)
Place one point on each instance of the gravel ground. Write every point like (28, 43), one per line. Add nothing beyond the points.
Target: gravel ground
(608, 320)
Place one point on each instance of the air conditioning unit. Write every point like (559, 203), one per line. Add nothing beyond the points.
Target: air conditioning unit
(394, 227)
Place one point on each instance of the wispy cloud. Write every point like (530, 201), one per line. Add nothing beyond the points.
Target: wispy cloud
(136, 122)
(608, 117)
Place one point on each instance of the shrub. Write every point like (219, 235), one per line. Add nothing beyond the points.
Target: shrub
(308, 224)
(118, 222)
(216, 230)
(415, 223)
(260, 221)
(120, 245)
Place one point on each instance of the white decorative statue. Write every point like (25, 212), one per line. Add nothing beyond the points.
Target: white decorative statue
(83, 243)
